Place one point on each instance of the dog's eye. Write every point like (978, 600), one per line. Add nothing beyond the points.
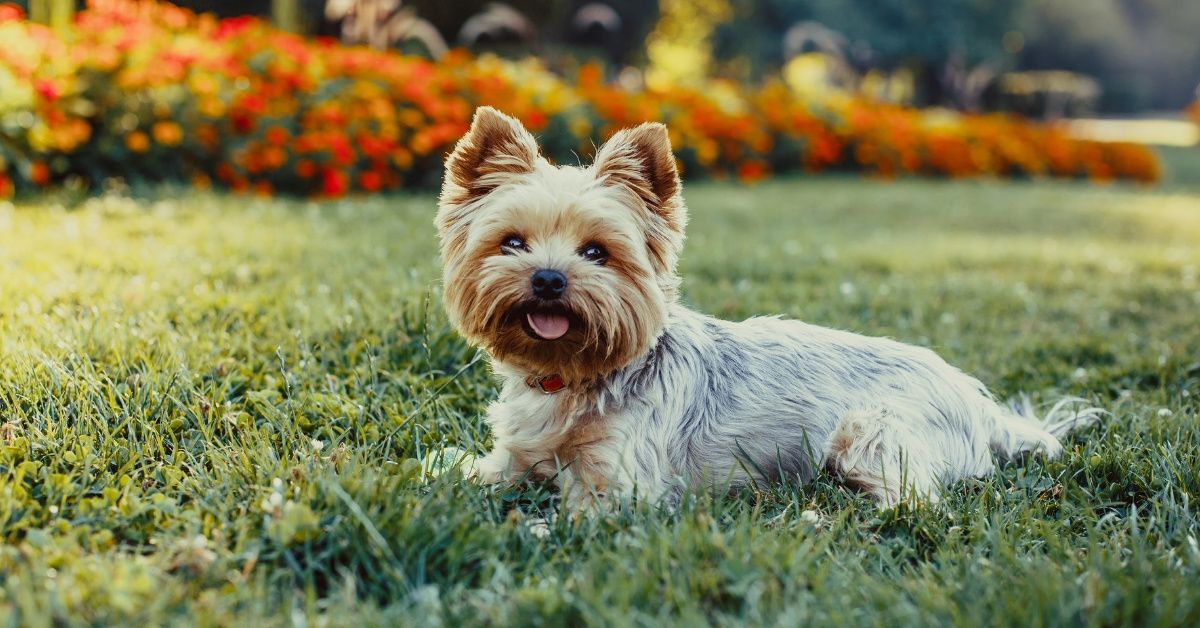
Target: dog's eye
(594, 253)
(512, 244)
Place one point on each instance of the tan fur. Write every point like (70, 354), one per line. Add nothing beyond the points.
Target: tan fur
(628, 202)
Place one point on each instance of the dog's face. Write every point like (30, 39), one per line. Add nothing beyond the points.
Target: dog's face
(560, 269)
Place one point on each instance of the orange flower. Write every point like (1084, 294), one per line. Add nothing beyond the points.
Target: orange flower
(137, 142)
(39, 173)
(751, 171)
(201, 181)
(257, 100)
(277, 135)
(207, 135)
(167, 133)
(273, 157)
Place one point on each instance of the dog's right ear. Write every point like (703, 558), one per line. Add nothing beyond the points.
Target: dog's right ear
(495, 149)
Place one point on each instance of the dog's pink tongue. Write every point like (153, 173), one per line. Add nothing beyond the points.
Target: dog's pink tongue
(548, 326)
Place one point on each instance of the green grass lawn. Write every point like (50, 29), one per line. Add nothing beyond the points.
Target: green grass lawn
(212, 407)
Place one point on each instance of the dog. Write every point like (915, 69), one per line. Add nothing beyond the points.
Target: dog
(566, 277)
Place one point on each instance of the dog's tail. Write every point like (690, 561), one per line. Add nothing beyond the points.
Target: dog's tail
(1019, 429)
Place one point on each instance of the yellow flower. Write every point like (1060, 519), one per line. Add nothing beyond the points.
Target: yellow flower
(211, 107)
(580, 126)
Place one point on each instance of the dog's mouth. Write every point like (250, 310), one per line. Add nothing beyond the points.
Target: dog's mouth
(546, 321)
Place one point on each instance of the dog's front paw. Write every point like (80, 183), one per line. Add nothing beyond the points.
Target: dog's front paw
(493, 468)
(490, 469)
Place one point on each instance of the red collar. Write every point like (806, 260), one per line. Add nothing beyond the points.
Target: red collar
(548, 384)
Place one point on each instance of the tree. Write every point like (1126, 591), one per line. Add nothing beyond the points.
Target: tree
(935, 39)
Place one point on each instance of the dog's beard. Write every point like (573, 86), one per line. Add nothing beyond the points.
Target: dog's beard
(552, 337)
(579, 338)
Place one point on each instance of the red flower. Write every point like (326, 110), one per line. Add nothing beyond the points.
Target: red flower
(10, 12)
(334, 183)
(370, 181)
(47, 90)
(343, 153)
(39, 173)
(752, 171)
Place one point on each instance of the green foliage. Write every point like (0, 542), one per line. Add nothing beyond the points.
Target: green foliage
(1143, 52)
(879, 33)
(212, 408)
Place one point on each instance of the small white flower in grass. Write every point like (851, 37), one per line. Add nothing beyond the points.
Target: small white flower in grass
(318, 445)
(1079, 373)
(810, 517)
(277, 484)
(1164, 412)
(272, 503)
(538, 527)
(54, 510)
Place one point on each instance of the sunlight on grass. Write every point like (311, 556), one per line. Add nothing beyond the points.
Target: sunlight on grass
(1157, 132)
(213, 407)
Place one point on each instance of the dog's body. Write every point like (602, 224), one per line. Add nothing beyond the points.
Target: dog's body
(566, 276)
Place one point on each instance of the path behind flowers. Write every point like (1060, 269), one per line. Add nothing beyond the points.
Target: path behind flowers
(211, 406)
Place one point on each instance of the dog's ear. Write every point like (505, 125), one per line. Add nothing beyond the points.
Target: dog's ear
(495, 149)
(641, 160)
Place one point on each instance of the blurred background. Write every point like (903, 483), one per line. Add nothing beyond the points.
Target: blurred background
(1040, 57)
(1073, 88)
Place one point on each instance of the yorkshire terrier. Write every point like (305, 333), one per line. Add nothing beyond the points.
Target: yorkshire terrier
(566, 277)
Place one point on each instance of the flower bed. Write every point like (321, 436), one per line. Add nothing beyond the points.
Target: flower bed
(151, 92)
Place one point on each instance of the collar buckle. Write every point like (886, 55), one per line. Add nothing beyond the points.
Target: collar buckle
(548, 384)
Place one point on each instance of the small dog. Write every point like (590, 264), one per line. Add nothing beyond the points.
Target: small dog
(566, 277)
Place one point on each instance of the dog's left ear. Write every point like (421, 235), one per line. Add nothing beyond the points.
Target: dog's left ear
(640, 159)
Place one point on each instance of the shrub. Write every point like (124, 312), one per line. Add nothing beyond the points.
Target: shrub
(145, 91)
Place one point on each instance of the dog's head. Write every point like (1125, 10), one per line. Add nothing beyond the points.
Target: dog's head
(558, 269)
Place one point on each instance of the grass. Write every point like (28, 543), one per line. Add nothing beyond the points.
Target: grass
(212, 409)
(1181, 166)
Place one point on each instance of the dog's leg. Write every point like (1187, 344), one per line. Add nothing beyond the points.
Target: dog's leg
(601, 477)
(874, 452)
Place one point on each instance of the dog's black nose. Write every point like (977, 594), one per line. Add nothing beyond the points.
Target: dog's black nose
(548, 284)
